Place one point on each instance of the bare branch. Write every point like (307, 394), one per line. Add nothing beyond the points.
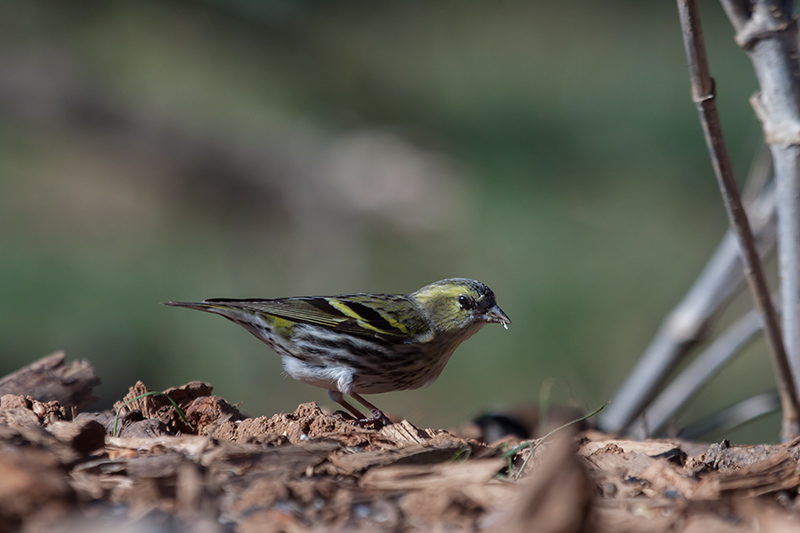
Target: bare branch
(770, 39)
(704, 98)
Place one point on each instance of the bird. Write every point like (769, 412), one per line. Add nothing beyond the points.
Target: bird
(362, 343)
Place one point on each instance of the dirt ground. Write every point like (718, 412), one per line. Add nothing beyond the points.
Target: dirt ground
(62, 470)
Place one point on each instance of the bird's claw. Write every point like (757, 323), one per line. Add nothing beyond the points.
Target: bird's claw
(378, 419)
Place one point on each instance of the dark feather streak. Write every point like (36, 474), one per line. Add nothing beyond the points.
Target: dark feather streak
(323, 305)
(372, 317)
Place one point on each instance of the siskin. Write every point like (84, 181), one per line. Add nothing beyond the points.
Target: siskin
(362, 343)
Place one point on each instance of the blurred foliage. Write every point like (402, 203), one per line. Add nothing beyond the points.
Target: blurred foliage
(174, 150)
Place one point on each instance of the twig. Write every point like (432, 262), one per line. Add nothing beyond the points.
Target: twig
(704, 98)
(768, 33)
(696, 375)
(686, 324)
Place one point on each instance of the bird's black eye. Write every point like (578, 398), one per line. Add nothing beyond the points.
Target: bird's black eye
(466, 302)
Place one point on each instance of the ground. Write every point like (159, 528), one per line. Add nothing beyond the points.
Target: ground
(213, 469)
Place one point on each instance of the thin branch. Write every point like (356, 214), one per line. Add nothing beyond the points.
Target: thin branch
(704, 98)
(696, 375)
(686, 324)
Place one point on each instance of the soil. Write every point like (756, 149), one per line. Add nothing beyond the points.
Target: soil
(209, 468)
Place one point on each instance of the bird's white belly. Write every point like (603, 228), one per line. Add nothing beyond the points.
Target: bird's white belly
(330, 376)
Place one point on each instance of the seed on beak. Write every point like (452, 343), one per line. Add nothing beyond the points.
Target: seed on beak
(495, 314)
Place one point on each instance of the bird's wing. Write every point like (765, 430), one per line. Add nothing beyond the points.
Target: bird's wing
(389, 317)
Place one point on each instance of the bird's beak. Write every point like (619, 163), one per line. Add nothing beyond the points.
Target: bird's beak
(495, 314)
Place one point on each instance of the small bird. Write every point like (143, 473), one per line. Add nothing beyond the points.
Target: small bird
(363, 343)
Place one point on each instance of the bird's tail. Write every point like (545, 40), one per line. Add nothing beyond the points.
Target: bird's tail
(219, 308)
(236, 312)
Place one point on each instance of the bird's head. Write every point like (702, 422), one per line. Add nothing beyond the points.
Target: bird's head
(459, 305)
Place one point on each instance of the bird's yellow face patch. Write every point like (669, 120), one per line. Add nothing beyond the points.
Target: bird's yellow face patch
(438, 292)
(450, 305)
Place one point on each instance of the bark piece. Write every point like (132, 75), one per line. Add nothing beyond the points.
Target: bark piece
(50, 379)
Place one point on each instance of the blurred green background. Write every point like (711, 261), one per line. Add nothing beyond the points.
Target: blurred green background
(175, 150)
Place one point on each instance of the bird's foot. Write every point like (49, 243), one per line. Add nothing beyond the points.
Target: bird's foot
(377, 420)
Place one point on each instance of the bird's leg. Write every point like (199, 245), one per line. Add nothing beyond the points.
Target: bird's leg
(338, 397)
(377, 414)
